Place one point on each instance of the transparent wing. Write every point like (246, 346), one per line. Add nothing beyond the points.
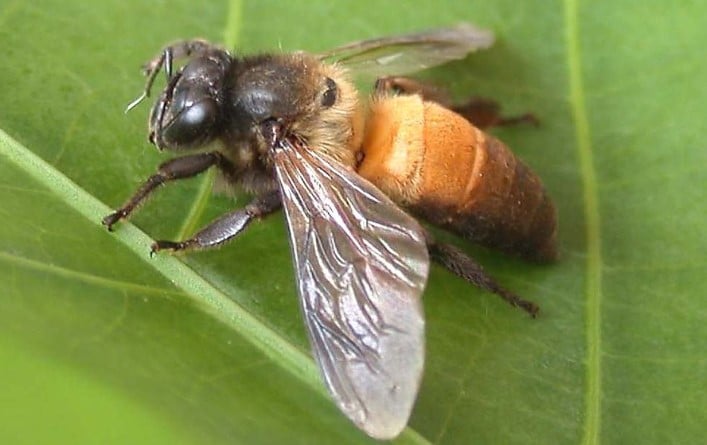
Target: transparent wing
(361, 265)
(411, 52)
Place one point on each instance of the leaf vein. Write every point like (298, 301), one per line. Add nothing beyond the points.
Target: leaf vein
(211, 299)
(592, 418)
(82, 276)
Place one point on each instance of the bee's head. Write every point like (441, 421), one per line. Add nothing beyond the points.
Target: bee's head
(189, 111)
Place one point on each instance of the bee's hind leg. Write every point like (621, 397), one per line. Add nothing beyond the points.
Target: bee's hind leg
(463, 266)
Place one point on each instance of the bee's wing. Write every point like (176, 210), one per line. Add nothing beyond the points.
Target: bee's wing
(361, 265)
(411, 52)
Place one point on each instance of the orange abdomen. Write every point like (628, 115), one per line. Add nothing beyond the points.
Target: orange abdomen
(438, 165)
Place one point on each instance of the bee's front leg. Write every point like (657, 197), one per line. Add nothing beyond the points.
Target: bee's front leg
(178, 168)
(165, 58)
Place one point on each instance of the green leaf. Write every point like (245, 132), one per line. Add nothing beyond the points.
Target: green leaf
(101, 344)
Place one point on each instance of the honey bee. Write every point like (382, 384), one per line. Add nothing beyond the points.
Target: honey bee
(291, 130)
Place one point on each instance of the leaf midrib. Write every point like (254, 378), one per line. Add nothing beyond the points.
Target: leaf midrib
(592, 417)
(216, 302)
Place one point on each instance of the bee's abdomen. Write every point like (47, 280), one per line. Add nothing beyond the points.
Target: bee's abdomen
(460, 178)
(502, 205)
(507, 207)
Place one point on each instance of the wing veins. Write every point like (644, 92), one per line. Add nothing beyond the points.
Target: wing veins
(359, 296)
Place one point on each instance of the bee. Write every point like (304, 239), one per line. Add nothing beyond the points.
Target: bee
(352, 175)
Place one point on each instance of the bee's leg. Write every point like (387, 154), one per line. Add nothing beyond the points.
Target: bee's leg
(405, 85)
(485, 113)
(481, 112)
(177, 50)
(463, 266)
(177, 168)
(226, 227)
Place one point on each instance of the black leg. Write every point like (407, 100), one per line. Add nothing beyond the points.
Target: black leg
(483, 113)
(226, 227)
(460, 264)
(406, 85)
(486, 113)
(177, 50)
(177, 168)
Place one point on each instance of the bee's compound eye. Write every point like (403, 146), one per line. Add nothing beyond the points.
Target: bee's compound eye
(329, 96)
(192, 124)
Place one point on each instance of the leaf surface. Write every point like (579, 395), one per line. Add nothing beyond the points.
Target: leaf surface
(101, 344)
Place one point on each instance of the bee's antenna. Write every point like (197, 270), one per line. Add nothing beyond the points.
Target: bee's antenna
(150, 69)
(136, 102)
